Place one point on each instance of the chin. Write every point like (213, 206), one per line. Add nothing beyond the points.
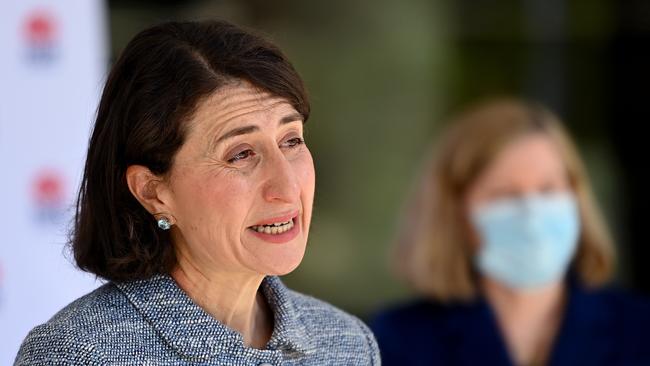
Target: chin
(283, 265)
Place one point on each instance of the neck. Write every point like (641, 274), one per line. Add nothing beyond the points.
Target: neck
(233, 298)
(529, 319)
(539, 301)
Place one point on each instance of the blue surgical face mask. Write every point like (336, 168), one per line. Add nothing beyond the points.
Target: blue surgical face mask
(527, 242)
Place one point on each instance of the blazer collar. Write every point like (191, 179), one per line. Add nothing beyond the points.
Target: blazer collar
(194, 333)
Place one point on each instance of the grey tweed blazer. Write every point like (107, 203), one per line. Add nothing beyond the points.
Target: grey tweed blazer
(153, 322)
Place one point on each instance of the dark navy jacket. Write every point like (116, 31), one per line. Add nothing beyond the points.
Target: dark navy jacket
(604, 327)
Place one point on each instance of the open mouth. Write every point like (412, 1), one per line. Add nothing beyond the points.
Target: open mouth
(275, 228)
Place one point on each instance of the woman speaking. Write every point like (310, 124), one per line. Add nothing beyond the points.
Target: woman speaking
(197, 192)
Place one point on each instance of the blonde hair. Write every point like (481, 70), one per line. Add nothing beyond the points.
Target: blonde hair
(434, 252)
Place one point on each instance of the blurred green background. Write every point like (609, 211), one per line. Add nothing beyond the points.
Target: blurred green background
(383, 76)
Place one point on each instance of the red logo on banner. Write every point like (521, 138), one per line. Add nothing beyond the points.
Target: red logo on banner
(48, 188)
(49, 194)
(40, 31)
(40, 28)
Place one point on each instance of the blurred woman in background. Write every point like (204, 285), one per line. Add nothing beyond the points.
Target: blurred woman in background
(508, 250)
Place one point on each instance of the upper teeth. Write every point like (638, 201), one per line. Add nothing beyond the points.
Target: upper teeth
(275, 228)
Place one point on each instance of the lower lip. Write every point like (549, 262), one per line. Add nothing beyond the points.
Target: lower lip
(280, 238)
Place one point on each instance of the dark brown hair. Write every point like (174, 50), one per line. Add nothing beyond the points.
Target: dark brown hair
(154, 86)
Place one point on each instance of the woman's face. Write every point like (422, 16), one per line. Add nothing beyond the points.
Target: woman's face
(528, 165)
(524, 222)
(241, 187)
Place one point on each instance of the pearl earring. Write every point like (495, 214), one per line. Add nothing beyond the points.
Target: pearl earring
(164, 223)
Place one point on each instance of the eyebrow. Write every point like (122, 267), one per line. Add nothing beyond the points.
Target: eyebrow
(295, 117)
(291, 118)
(236, 132)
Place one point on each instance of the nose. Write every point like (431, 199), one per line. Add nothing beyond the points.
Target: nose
(281, 182)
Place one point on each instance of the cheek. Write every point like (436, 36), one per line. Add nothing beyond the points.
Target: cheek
(208, 202)
(304, 168)
(309, 181)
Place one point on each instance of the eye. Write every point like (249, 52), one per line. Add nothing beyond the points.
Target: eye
(293, 142)
(547, 189)
(501, 193)
(551, 187)
(243, 155)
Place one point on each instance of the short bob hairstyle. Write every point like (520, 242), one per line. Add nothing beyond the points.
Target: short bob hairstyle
(433, 251)
(154, 86)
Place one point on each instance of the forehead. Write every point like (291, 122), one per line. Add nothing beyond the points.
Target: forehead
(526, 158)
(237, 102)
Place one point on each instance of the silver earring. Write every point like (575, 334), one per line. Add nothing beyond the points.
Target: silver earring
(164, 224)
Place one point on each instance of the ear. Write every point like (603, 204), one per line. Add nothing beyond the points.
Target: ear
(149, 189)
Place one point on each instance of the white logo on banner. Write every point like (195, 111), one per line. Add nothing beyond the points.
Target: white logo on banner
(51, 70)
